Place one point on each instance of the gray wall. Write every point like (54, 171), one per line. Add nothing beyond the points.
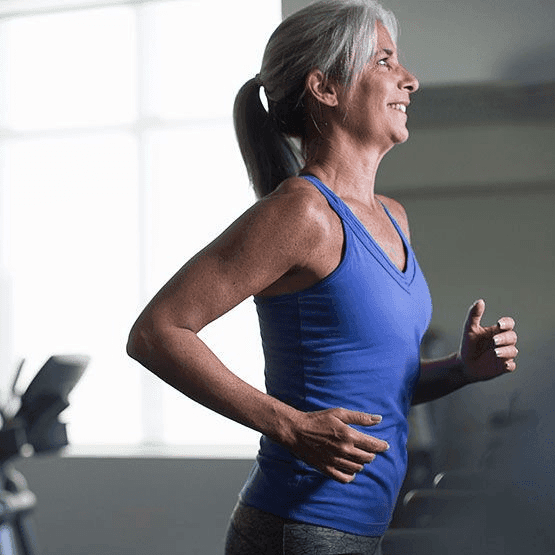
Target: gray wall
(493, 240)
(133, 506)
(480, 200)
(449, 41)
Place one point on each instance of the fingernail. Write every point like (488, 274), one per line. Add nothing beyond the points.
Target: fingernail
(376, 418)
(497, 353)
(500, 324)
(496, 339)
(387, 448)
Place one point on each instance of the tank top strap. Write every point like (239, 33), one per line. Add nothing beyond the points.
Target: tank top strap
(355, 227)
(335, 202)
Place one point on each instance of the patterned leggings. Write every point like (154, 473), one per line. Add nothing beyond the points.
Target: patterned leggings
(254, 532)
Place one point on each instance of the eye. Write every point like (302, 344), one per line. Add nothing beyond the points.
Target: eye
(383, 62)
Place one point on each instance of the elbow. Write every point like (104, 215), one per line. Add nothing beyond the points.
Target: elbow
(139, 343)
(153, 340)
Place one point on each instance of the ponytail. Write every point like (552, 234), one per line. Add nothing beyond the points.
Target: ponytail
(269, 154)
(336, 36)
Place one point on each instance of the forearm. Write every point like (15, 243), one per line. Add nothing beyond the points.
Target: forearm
(439, 378)
(184, 361)
(323, 439)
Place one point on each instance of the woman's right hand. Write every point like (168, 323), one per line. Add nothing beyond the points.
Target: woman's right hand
(325, 440)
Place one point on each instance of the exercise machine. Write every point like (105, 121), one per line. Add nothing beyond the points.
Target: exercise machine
(30, 426)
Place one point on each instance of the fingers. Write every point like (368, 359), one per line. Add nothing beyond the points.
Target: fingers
(505, 338)
(326, 440)
(348, 467)
(357, 417)
(370, 444)
(502, 334)
(345, 470)
(340, 476)
(361, 440)
(505, 346)
(475, 314)
(503, 325)
(510, 365)
(474, 318)
(506, 353)
(506, 323)
(487, 352)
(361, 457)
(506, 356)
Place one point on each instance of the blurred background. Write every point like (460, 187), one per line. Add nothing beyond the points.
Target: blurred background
(118, 162)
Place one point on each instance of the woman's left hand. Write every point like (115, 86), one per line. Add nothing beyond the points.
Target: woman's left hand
(487, 352)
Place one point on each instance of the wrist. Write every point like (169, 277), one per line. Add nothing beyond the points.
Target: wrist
(461, 368)
(282, 424)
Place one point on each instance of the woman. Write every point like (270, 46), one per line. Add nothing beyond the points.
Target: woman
(341, 300)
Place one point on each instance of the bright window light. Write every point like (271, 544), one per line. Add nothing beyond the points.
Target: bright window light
(201, 52)
(118, 161)
(193, 204)
(74, 257)
(71, 69)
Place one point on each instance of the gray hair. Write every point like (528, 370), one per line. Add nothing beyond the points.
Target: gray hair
(338, 37)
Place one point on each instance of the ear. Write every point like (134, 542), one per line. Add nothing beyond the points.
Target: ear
(322, 89)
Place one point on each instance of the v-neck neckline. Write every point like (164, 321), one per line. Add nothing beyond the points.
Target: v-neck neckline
(404, 277)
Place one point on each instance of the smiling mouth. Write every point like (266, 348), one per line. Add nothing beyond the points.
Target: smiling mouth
(400, 107)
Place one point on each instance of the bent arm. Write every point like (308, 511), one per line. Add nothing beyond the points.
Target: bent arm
(439, 378)
(185, 362)
(275, 236)
(485, 353)
(235, 266)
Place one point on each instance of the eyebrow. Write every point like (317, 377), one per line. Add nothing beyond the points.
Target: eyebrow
(388, 51)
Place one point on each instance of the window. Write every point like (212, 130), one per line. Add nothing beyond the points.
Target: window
(118, 162)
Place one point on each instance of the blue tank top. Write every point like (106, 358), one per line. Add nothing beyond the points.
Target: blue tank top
(352, 340)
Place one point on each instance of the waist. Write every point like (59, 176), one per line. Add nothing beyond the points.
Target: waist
(342, 380)
(284, 485)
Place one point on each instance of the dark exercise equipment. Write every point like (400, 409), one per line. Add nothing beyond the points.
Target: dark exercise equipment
(32, 429)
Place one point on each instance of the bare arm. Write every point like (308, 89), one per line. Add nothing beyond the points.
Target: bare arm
(439, 378)
(278, 234)
(485, 353)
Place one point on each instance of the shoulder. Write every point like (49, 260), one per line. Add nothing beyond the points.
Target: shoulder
(291, 222)
(398, 212)
(298, 206)
(300, 194)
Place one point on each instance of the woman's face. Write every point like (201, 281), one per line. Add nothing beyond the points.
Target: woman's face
(376, 103)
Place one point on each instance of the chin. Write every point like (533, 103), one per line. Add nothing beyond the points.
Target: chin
(401, 137)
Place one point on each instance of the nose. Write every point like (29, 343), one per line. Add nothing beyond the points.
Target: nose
(409, 82)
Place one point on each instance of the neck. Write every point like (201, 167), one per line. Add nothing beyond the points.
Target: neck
(348, 169)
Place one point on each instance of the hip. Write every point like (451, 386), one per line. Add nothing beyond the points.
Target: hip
(252, 531)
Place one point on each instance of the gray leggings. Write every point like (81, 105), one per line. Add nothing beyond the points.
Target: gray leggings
(254, 532)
